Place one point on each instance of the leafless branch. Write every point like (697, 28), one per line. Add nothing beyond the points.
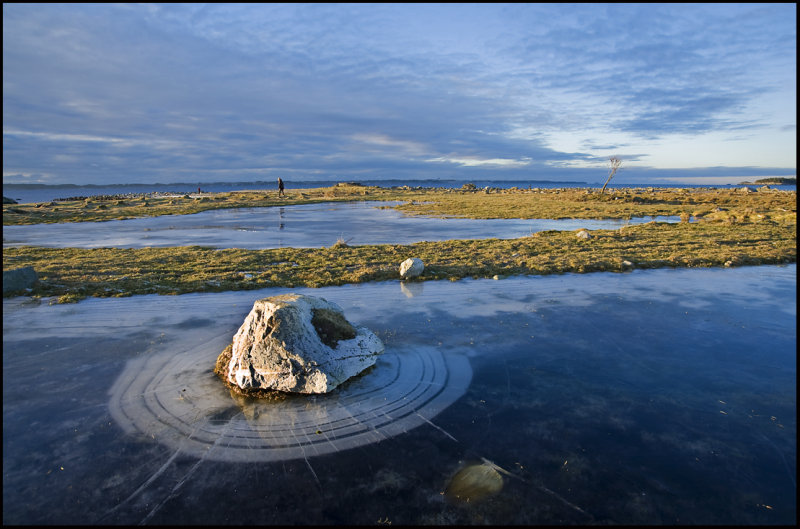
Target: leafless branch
(614, 163)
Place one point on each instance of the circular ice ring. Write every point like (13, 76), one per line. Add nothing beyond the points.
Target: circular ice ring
(176, 400)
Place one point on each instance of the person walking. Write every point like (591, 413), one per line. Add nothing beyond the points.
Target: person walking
(280, 188)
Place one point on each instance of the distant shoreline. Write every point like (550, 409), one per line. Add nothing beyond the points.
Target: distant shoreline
(37, 192)
(771, 181)
(298, 183)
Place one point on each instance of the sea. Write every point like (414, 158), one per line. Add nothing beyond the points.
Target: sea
(32, 193)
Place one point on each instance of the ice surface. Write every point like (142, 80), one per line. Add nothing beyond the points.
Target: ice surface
(655, 396)
(301, 226)
(172, 397)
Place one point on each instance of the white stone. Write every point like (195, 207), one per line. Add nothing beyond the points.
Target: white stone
(583, 234)
(411, 267)
(282, 345)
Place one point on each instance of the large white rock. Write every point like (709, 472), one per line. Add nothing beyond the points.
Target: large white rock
(411, 267)
(299, 344)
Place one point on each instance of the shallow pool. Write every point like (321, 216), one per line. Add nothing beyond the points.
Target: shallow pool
(301, 226)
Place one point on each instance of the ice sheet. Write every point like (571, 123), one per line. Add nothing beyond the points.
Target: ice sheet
(650, 397)
(301, 226)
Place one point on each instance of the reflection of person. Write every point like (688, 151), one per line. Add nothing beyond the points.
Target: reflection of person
(280, 188)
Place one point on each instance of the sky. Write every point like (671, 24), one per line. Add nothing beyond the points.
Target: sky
(147, 93)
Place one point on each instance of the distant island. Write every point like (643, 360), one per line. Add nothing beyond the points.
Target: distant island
(776, 181)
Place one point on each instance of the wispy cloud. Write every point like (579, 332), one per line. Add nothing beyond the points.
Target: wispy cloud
(472, 161)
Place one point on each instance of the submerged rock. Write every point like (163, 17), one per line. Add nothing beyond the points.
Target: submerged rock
(474, 482)
(297, 344)
(411, 267)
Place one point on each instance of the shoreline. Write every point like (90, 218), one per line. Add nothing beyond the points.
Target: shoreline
(467, 202)
(729, 228)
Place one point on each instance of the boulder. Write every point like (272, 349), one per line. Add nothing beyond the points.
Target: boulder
(583, 234)
(18, 280)
(297, 344)
(411, 267)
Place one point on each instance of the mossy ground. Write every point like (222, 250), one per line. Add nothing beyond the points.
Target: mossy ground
(732, 228)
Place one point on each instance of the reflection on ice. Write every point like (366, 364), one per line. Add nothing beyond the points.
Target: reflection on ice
(301, 226)
(412, 288)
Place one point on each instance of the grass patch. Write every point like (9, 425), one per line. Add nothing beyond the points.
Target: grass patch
(591, 204)
(74, 273)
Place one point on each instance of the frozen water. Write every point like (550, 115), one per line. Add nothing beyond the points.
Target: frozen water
(405, 388)
(301, 226)
(650, 397)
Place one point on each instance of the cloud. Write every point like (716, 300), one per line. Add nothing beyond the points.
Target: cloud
(147, 92)
(394, 146)
(472, 161)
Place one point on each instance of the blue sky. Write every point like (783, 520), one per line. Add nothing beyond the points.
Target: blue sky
(137, 93)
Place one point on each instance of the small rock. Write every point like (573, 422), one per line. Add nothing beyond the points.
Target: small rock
(583, 234)
(18, 280)
(411, 267)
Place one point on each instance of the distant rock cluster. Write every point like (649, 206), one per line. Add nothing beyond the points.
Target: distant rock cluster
(102, 198)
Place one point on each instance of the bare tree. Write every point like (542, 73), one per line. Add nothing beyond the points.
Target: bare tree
(614, 162)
